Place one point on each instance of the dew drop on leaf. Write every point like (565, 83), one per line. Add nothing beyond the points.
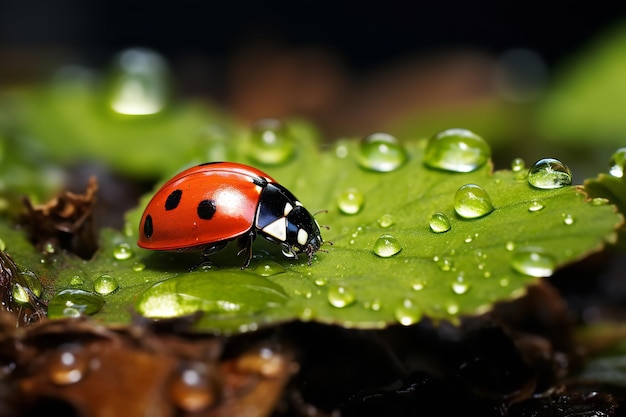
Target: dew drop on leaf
(269, 268)
(472, 201)
(439, 223)
(122, 252)
(33, 283)
(340, 295)
(105, 284)
(386, 246)
(456, 150)
(271, 143)
(535, 206)
(518, 165)
(74, 302)
(568, 219)
(386, 220)
(533, 262)
(139, 266)
(407, 312)
(381, 152)
(350, 201)
(617, 163)
(549, 173)
(460, 286)
(68, 365)
(20, 294)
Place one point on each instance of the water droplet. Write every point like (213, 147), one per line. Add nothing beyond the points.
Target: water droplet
(599, 201)
(105, 284)
(457, 150)
(74, 302)
(340, 296)
(535, 206)
(193, 387)
(549, 173)
(77, 280)
(386, 220)
(122, 252)
(408, 313)
(269, 268)
(374, 305)
(472, 201)
(49, 248)
(68, 365)
(139, 266)
(617, 163)
(460, 286)
(381, 152)
(439, 222)
(445, 264)
(533, 262)
(518, 165)
(341, 149)
(271, 143)
(568, 219)
(386, 246)
(418, 284)
(320, 281)
(510, 246)
(32, 282)
(3, 245)
(138, 83)
(350, 201)
(20, 294)
(452, 309)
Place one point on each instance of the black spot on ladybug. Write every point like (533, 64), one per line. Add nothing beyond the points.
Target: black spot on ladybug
(147, 227)
(206, 209)
(173, 199)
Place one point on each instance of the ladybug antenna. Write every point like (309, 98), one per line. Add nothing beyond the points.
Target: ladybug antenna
(319, 211)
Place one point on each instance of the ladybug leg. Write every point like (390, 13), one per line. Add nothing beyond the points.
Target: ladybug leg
(208, 251)
(245, 243)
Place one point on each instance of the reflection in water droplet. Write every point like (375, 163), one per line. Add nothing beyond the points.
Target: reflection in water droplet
(533, 262)
(68, 365)
(381, 152)
(193, 387)
(74, 302)
(271, 143)
(549, 173)
(350, 201)
(472, 201)
(269, 268)
(105, 284)
(439, 223)
(535, 206)
(408, 313)
(386, 220)
(340, 296)
(138, 84)
(122, 252)
(386, 246)
(617, 163)
(457, 150)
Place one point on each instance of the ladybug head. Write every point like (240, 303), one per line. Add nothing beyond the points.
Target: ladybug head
(303, 234)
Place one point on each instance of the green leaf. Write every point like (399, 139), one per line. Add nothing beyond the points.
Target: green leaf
(463, 271)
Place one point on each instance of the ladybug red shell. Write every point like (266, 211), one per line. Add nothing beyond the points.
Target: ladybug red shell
(207, 206)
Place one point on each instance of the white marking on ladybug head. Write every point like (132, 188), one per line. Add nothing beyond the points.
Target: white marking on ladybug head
(303, 236)
(298, 203)
(288, 208)
(277, 229)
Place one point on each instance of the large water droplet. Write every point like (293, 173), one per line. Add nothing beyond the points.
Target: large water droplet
(122, 252)
(381, 152)
(350, 201)
(138, 84)
(105, 284)
(617, 163)
(32, 282)
(340, 295)
(408, 313)
(457, 150)
(439, 222)
(533, 262)
(472, 201)
(68, 365)
(193, 387)
(74, 302)
(386, 246)
(271, 143)
(549, 173)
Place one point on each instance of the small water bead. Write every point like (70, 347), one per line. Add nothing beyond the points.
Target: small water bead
(271, 143)
(139, 266)
(194, 387)
(549, 173)
(418, 285)
(341, 149)
(122, 252)
(68, 365)
(533, 262)
(374, 305)
(599, 201)
(340, 295)
(453, 309)
(269, 268)
(386, 220)
(617, 163)
(105, 284)
(445, 264)
(408, 312)
(510, 246)
(49, 248)
(568, 219)
(456, 150)
(518, 165)
(387, 246)
(460, 286)
(350, 201)
(381, 152)
(74, 302)
(535, 206)
(320, 281)
(439, 223)
(472, 201)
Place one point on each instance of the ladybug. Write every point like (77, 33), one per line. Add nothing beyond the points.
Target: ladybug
(206, 206)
